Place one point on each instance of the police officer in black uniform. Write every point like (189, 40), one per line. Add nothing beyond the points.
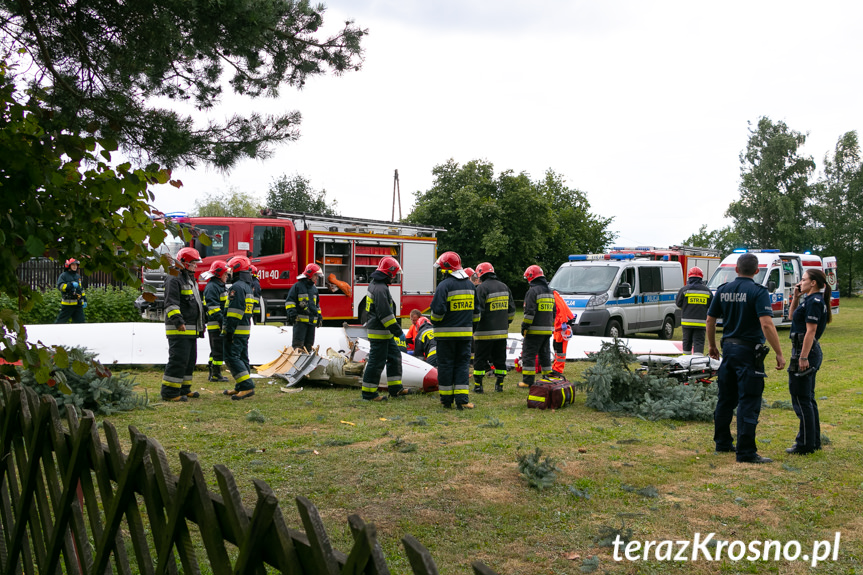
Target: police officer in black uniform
(303, 309)
(184, 324)
(497, 310)
(384, 333)
(808, 320)
(747, 318)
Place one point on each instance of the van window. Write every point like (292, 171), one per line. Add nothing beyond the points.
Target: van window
(628, 276)
(583, 279)
(220, 244)
(268, 241)
(774, 277)
(672, 278)
(650, 278)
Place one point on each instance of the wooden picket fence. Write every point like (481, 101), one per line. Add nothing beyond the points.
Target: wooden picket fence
(71, 504)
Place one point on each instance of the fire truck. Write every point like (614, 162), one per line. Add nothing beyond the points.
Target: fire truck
(281, 244)
(688, 256)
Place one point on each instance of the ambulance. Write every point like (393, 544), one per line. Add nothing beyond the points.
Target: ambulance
(779, 272)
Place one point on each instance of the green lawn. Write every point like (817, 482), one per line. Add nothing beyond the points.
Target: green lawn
(450, 478)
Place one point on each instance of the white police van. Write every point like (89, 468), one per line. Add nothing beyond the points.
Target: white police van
(619, 294)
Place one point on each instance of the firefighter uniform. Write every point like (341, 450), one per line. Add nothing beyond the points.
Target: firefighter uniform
(183, 307)
(303, 312)
(562, 332)
(453, 313)
(383, 332)
(741, 374)
(425, 346)
(497, 310)
(237, 327)
(72, 301)
(694, 300)
(537, 327)
(215, 302)
(813, 310)
(256, 292)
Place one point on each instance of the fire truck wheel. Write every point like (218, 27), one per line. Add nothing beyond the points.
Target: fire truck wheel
(667, 331)
(614, 329)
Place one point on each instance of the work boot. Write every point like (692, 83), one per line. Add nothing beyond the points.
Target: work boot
(230, 392)
(461, 406)
(523, 384)
(237, 396)
(179, 398)
(498, 387)
(193, 395)
(477, 388)
(216, 373)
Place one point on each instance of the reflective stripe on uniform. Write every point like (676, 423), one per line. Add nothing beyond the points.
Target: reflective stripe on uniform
(496, 334)
(380, 334)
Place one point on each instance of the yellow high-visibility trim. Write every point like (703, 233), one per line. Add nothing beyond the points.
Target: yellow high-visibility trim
(535, 398)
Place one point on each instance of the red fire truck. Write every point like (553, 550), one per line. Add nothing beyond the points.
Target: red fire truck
(348, 250)
(688, 256)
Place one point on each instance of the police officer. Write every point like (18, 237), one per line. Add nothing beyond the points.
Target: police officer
(425, 346)
(747, 318)
(453, 313)
(237, 328)
(215, 300)
(694, 300)
(184, 324)
(810, 314)
(72, 301)
(497, 310)
(537, 326)
(383, 331)
(303, 310)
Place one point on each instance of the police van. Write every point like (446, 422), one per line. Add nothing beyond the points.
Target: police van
(620, 294)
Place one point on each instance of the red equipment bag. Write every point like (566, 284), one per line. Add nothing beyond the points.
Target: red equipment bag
(550, 393)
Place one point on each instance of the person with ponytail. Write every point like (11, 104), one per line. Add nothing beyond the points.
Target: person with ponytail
(810, 313)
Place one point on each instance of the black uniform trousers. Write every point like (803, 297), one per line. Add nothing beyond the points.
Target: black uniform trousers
(740, 385)
(76, 312)
(382, 353)
(453, 370)
(303, 335)
(217, 347)
(182, 357)
(237, 360)
(693, 340)
(802, 390)
(490, 355)
(530, 347)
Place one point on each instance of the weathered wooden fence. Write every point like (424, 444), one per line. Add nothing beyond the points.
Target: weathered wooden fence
(42, 273)
(71, 504)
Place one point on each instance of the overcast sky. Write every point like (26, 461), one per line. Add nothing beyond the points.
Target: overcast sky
(642, 105)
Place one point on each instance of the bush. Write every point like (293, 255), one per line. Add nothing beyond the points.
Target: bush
(104, 305)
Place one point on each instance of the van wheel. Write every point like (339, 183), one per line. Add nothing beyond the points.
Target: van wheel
(614, 329)
(667, 331)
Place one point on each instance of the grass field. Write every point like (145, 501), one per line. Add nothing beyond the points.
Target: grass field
(450, 478)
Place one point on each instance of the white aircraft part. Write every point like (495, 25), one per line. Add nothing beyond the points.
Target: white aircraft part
(581, 347)
(414, 370)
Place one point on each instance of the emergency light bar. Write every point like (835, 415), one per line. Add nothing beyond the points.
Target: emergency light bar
(623, 256)
(745, 250)
(587, 257)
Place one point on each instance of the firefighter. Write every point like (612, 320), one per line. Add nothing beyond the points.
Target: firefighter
(563, 317)
(453, 314)
(426, 346)
(215, 300)
(384, 332)
(256, 291)
(73, 301)
(537, 326)
(497, 310)
(237, 327)
(184, 324)
(302, 307)
(694, 301)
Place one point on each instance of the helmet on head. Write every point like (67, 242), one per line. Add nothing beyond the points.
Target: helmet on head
(695, 272)
(71, 261)
(254, 271)
(239, 264)
(448, 262)
(188, 256)
(389, 266)
(484, 268)
(469, 271)
(311, 271)
(533, 272)
(219, 268)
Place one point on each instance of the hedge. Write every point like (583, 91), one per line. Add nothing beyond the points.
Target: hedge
(104, 305)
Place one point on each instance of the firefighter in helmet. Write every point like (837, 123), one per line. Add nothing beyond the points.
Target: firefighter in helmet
(425, 346)
(497, 310)
(303, 309)
(73, 301)
(694, 300)
(184, 324)
(453, 314)
(237, 327)
(537, 326)
(215, 300)
(384, 333)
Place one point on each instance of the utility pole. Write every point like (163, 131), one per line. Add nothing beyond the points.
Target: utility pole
(397, 193)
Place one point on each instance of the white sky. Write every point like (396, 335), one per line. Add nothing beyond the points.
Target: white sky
(642, 105)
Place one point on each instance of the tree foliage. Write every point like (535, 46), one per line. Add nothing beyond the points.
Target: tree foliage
(508, 220)
(724, 239)
(101, 66)
(775, 190)
(233, 203)
(296, 194)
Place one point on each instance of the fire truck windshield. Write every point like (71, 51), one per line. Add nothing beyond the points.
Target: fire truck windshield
(583, 279)
(725, 275)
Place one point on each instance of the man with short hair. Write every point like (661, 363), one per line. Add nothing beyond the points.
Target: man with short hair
(410, 338)
(747, 318)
